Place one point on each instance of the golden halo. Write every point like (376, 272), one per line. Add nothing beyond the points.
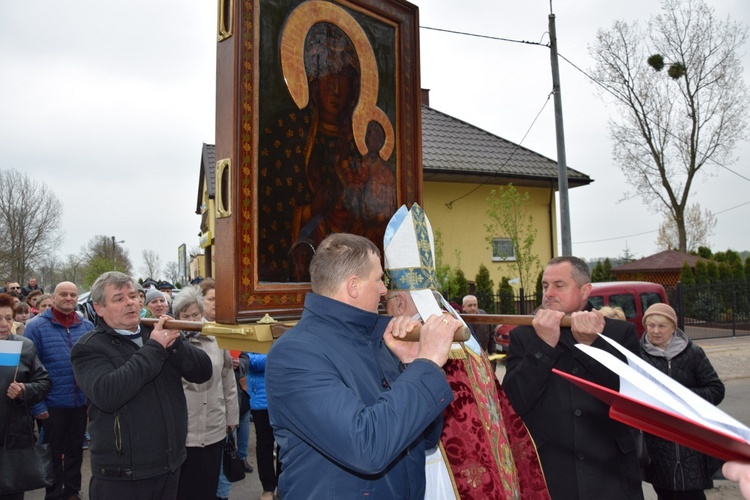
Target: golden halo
(293, 36)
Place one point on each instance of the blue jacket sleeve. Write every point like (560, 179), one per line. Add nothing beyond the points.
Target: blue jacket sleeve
(311, 401)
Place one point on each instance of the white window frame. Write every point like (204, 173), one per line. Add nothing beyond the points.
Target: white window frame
(496, 256)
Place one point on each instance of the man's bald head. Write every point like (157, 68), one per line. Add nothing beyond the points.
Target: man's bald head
(65, 297)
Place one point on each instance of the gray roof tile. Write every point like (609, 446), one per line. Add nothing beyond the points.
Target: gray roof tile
(453, 148)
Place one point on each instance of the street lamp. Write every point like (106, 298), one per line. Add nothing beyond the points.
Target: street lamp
(114, 253)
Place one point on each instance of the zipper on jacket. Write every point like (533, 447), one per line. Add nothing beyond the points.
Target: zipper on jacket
(678, 463)
(117, 429)
(75, 384)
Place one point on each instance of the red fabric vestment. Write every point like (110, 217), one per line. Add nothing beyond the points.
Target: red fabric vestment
(488, 448)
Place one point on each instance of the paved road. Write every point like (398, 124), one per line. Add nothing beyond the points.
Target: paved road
(730, 357)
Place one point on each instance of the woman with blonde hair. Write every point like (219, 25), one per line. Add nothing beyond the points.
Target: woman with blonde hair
(615, 312)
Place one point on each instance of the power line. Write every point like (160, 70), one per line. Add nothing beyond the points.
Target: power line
(505, 162)
(652, 231)
(526, 42)
(475, 35)
(616, 237)
(668, 132)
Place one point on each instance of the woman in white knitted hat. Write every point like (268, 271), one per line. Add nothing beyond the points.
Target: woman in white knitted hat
(676, 471)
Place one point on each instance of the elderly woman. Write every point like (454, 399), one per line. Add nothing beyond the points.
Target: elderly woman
(212, 406)
(676, 471)
(19, 390)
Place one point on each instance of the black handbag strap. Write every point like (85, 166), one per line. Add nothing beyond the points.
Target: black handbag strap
(27, 412)
(230, 441)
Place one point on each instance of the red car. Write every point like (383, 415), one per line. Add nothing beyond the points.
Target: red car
(502, 337)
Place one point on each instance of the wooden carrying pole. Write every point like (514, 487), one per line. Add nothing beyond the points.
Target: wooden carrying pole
(258, 337)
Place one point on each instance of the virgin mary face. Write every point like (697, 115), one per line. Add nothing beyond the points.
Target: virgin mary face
(333, 70)
(335, 94)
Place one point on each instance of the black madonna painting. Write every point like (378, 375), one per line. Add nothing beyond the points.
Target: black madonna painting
(327, 135)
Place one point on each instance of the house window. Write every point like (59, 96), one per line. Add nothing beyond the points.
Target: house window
(502, 250)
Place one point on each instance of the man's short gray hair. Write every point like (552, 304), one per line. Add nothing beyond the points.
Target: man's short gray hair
(116, 278)
(187, 297)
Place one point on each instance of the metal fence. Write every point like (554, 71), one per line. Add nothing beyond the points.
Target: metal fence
(514, 303)
(704, 311)
(712, 311)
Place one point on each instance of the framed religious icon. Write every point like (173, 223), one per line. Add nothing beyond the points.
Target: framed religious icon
(318, 132)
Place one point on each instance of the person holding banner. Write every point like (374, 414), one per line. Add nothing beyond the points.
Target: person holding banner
(22, 378)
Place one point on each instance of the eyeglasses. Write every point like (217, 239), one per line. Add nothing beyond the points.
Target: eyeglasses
(14, 287)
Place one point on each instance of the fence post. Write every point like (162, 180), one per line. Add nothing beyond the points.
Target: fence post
(680, 307)
(522, 309)
(734, 311)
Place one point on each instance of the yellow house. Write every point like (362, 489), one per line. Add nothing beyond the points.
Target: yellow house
(461, 166)
(202, 265)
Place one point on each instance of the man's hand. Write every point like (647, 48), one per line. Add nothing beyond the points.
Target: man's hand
(436, 337)
(15, 390)
(396, 330)
(546, 324)
(738, 472)
(164, 337)
(42, 416)
(586, 325)
(235, 363)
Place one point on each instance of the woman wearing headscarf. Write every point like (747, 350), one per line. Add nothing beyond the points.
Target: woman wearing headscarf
(677, 472)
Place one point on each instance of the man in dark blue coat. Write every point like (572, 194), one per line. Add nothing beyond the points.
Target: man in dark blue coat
(349, 417)
(584, 453)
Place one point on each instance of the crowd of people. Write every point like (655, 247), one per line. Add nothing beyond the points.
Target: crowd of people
(156, 404)
(343, 404)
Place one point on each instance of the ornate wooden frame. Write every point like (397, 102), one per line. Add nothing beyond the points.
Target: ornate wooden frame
(246, 29)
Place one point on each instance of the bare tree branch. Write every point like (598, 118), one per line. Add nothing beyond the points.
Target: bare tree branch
(668, 129)
(30, 222)
(151, 264)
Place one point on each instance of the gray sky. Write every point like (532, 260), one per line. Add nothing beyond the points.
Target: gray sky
(109, 104)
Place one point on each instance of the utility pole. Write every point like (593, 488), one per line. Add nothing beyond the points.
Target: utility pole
(114, 253)
(562, 164)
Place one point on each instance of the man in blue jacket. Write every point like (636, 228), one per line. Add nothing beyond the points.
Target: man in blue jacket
(64, 410)
(349, 418)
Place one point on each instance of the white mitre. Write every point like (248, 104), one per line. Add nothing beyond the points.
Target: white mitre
(409, 255)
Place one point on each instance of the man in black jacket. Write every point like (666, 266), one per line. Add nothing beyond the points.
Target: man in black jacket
(132, 378)
(30, 286)
(584, 453)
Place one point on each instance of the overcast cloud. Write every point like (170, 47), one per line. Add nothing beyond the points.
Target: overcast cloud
(109, 104)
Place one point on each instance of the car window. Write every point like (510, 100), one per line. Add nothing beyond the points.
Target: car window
(649, 298)
(596, 302)
(626, 301)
